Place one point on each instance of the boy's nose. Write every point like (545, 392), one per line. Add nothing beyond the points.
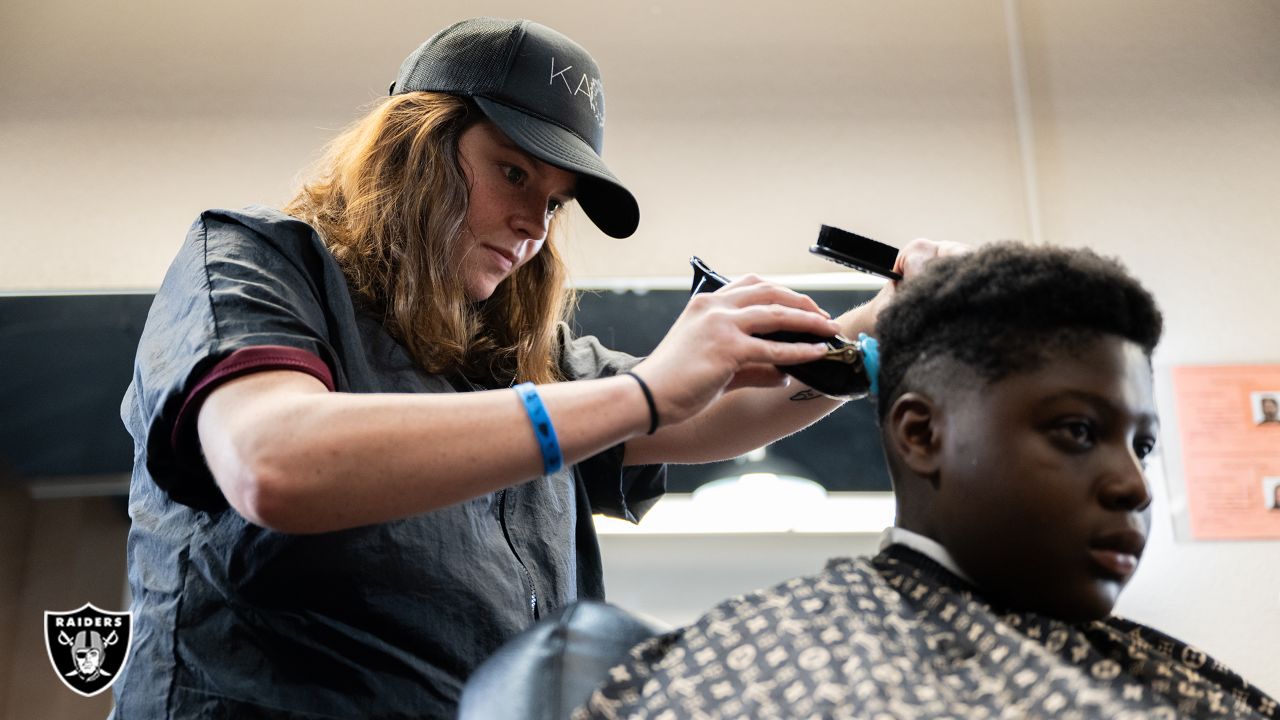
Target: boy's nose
(1127, 487)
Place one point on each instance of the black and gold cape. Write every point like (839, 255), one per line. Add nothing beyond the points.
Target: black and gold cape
(898, 636)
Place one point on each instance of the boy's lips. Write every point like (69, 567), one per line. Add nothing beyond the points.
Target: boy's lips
(1117, 553)
(1119, 564)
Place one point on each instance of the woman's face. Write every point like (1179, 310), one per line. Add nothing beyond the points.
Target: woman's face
(512, 200)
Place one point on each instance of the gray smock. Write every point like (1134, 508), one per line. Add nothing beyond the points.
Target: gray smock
(381, 621)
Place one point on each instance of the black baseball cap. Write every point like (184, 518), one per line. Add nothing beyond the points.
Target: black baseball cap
(540, 88)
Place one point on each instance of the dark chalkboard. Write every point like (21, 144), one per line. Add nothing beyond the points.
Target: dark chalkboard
(66, 359)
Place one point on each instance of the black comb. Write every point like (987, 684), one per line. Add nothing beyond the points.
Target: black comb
(857, 252)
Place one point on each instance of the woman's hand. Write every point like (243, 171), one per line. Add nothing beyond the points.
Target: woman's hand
(912, 260)
(918, 253)
(711, 348)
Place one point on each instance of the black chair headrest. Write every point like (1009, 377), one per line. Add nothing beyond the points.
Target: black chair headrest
(551, 668)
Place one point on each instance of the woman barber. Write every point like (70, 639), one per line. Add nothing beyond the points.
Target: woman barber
(368, 449)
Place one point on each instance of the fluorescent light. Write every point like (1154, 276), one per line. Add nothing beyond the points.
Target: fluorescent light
(838, 512)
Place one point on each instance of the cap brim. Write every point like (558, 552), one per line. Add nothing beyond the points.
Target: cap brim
(606, 202)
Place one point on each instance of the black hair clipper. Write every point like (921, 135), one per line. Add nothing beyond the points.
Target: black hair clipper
(841, 374)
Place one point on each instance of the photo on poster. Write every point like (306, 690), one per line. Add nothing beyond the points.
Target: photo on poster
(1271, 493)
(1266, 407)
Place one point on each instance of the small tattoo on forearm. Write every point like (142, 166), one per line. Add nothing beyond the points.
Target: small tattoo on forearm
(806, 395)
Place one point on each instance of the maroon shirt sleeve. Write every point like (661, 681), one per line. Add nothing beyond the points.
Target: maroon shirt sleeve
(238, 364)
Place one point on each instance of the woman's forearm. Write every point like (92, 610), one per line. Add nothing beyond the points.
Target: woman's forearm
(291, 456)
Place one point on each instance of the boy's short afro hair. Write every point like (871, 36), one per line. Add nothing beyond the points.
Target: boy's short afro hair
(1005, 307)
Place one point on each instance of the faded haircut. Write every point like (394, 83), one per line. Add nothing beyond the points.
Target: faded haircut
(1008, 308)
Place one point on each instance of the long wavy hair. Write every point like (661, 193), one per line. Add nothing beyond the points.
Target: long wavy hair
(389, 197)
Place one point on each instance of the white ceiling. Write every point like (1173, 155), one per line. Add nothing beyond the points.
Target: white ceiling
(159, 57)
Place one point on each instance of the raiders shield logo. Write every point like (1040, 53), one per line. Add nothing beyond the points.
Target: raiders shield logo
(88, 646)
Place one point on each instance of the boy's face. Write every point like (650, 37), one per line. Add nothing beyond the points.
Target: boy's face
(1042, 497)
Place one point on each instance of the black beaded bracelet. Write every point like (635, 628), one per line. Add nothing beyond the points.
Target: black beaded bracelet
(648, 397)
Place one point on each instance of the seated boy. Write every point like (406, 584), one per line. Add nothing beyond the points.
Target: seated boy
(1015, 402)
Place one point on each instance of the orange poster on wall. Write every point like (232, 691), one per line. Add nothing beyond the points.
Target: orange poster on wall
(1229, 418)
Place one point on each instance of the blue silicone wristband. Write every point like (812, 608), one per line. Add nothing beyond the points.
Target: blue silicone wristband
(543, 430)
(871, 360)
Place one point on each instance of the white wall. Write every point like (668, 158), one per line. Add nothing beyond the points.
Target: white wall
(1158, 138)
(1153, 136)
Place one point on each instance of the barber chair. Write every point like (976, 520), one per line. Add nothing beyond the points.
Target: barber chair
(550, 669)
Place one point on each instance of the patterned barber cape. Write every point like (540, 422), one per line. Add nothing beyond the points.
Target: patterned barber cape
(898, 636)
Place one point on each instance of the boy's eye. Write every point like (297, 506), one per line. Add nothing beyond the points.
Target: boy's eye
(1079, 434)
(1143, 446)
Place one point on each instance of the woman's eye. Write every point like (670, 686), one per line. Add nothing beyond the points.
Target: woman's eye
(553, 205)
(513, 174)
(1143, 447)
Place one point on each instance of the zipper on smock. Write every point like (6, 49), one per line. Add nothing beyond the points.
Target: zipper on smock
(528, 576)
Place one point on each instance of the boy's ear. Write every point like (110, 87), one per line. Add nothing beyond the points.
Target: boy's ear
(915, 433)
